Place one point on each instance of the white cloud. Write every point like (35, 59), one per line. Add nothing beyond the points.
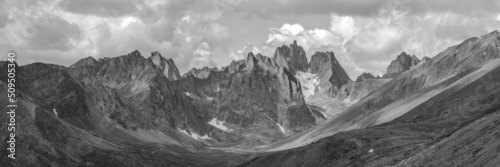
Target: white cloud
(344, 26)
(126, 21)
(241, 54)
(202, 56)
(311, 40)
(292, 29)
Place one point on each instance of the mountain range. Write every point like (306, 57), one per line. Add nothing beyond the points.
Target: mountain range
(283, 110)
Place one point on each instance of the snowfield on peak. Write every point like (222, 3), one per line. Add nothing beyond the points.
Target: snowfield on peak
(308, 81)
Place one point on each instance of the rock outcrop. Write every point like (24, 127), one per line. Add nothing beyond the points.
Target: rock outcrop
(414, 61)
(424, 59)
(202, 73)
(365, 76)
(167, 66)
(402, 63)
(292, 58)
(330, 73)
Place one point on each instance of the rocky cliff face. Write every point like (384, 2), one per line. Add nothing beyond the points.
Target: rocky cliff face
(202, 73)
(443, 109)
(167, 66)
(330, 73)
(402, 63)
(53, 88)
(292, 58)
(234, 66)
(414, 61)
(135, 93)
(255, 100)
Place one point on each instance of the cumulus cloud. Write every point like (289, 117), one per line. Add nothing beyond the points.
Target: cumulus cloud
(343, 26)
(202, 56)
(311, 40)
(241, 54)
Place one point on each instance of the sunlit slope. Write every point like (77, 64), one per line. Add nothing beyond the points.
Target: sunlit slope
(458, 125)
(450, 70)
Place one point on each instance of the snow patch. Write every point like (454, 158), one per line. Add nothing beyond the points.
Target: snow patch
(55, 112)
(208, 97)
(219, 124)
(308, 81)
(189, 94)
(348, 101)
(281, 127)
(194, 135)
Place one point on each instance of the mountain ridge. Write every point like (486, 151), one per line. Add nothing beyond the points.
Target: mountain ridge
(257, 112)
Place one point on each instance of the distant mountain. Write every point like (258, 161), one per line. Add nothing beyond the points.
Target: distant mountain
(365, 76)
(260, 111)
(402, 63)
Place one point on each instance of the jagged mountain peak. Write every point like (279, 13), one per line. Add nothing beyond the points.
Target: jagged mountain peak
(292, 57)
(414, 60)
(167, 66)
(403, 55)
(321, 57)
(329, 71)
(402, 63)
(135, 53)
(365, 76)
(201, 73)
(234, 66)
(88, 61)
(263, 62)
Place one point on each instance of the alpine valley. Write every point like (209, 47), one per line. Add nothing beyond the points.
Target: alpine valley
(264, 110)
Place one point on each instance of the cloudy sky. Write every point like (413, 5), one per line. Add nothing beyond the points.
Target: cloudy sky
(364, 34)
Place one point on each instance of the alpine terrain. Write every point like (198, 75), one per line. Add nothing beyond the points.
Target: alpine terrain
(286, 109)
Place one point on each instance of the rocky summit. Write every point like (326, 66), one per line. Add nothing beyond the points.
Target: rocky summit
(402, 63)
(136, 110)
(292, 58)
(365, 76)
(166, 65)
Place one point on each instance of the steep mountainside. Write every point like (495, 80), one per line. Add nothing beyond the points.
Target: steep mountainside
(253, 102)
(402, 63)
(282, 111)
(325, 84)
(434, 79)
(292, 58)
(456, 127)
(331, 75)
(166, 65)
